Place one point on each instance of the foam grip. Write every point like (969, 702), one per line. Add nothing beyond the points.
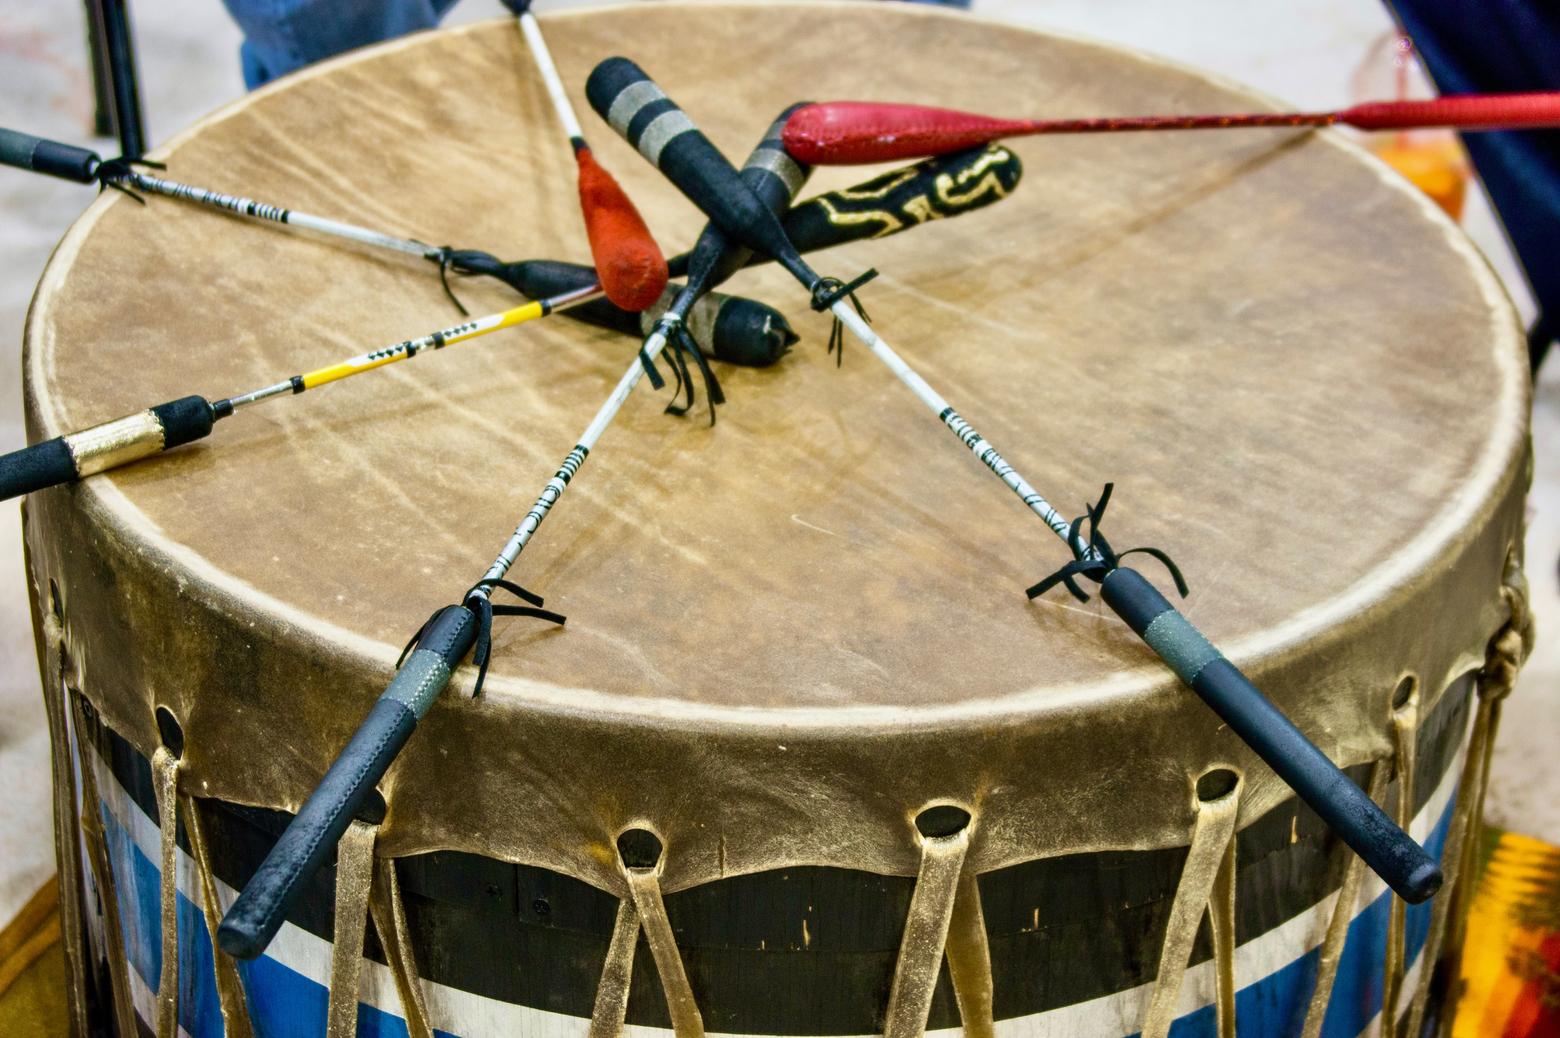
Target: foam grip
(310, 838)
(629, 262)
(1471, 112)
(1390, 852)
(640, 112)
(847, 133)
(900, 199)
(729, 328)
(184, 420)
(24, 151)
(41, 465)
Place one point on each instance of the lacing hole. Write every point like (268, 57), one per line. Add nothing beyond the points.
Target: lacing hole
(172, 734)
(373, 810)
(1215, 784)
(942, 820)
(1404, 692)
(639, 848)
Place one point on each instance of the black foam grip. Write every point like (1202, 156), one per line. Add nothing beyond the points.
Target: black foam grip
(41, 465)
(694, 165)
(24, 151)
(715, 256)
(310, 838)
(939, 188)
(1390, 852)
(746, 332)
(184, 420)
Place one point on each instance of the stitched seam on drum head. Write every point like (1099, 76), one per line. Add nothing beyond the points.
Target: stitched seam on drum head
(1181, 645)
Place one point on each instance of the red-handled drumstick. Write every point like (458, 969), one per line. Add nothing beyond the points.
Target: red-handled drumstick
(629, 263)
(843, 133)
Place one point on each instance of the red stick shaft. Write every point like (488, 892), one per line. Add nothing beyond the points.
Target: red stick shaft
(851, 132)
(1468, 112)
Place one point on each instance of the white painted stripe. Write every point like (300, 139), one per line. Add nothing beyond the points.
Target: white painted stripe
(474, 1016)
(663, 129)
(629, 101)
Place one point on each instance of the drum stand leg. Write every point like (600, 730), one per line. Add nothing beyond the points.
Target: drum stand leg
(1207, 885)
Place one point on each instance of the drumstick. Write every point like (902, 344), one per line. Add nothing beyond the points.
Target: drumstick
(731, 328)
(177, 422)
(774, 178)
(453, 631)
(851, 132)
(704, 175)
(627, 258)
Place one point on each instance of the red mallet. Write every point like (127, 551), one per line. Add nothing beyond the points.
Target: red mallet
(629, 263)
(844, 133)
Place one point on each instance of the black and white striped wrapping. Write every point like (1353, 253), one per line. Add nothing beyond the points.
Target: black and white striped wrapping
(632, 104)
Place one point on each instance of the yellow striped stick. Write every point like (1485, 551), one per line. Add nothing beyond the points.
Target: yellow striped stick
(98, 448)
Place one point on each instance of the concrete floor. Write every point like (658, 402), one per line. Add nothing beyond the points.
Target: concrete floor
(1302, 51)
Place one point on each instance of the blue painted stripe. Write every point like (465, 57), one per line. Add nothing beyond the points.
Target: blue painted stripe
(285, 1004)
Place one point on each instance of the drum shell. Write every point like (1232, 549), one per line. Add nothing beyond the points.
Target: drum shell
(543, 774)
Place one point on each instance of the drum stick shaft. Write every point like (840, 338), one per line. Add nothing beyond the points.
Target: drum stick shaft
(248, 207)
(348, 785)
(617, 87)
(99, 448)
(1346, 808)
(549, 70)
(409, 348)
(847, 132)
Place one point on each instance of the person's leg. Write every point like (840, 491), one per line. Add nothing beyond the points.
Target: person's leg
(283, 35)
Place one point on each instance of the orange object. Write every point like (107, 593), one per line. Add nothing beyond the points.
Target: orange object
(628, 261)
(1436, 166)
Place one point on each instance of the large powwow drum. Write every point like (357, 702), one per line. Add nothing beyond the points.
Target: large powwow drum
(805, 757)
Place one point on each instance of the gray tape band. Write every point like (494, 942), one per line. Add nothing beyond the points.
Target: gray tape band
(1180, 644)
(781, 165)
(663, 129)
(628, 103)
(419, 681)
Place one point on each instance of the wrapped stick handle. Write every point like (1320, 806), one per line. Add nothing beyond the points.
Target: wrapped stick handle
(641, 113)
(41, 155)
(1390, 852)
(101, 447)
(310, 838)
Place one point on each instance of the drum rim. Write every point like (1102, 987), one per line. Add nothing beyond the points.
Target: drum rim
(1460, 522)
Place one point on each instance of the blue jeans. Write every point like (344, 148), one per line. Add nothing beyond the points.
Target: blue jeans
(283, 35)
